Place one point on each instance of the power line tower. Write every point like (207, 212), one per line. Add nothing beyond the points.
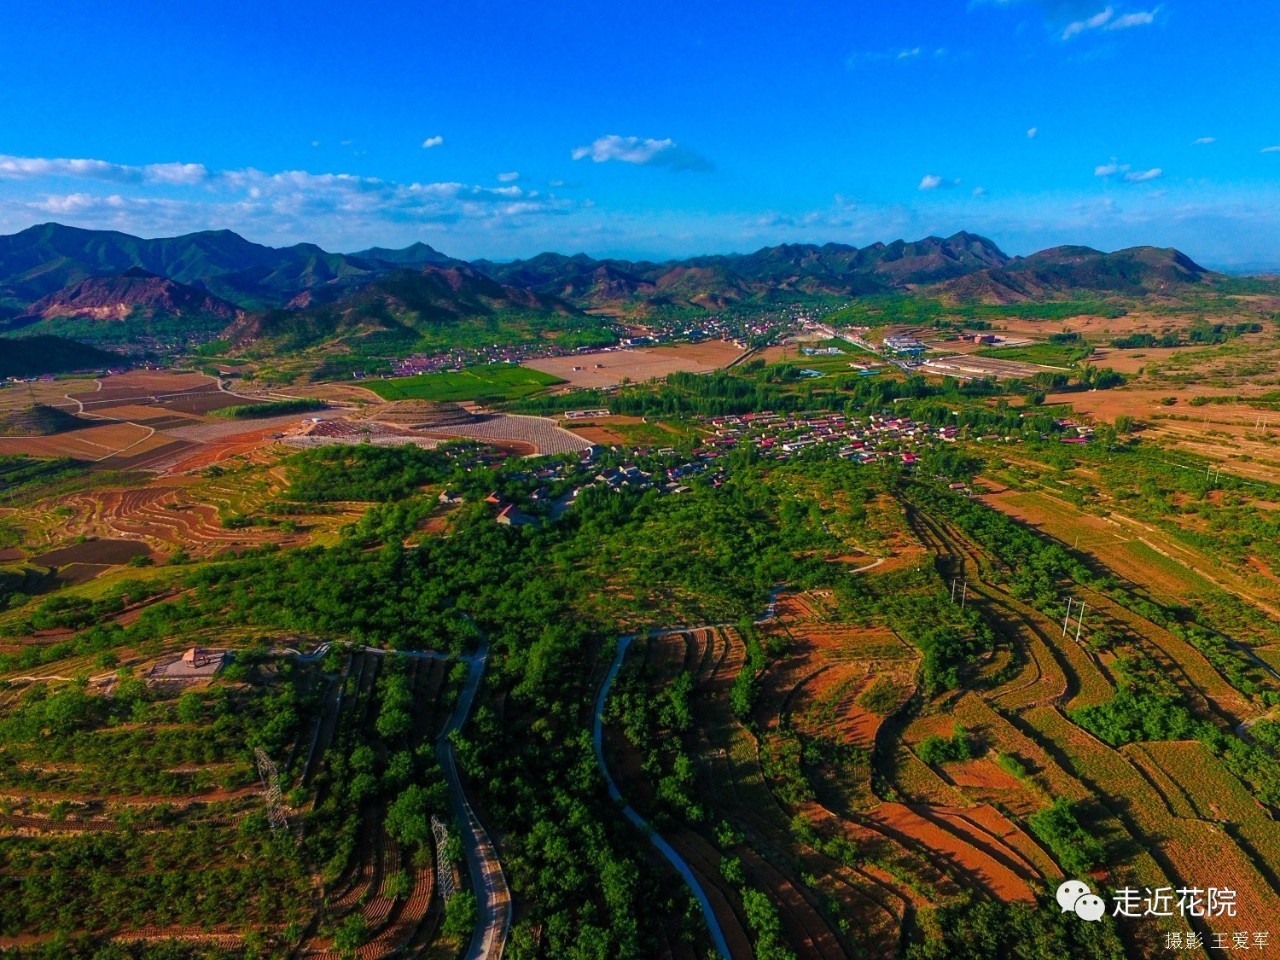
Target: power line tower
(271, 783)
(1066, 621)
(444, 869)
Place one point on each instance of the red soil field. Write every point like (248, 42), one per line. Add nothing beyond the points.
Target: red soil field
(94, 551)
(965, 848)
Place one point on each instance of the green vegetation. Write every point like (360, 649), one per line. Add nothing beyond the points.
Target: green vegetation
(486, 383)
(274, 408)
(549, 600)
(171, 331)
(881, 697)
(1201, 332)
(1048, 354)
(1076, 849)
(936, 750)
(991, 930)
(26, 479)
(898, 309)
(1131, 716)
(364, 473)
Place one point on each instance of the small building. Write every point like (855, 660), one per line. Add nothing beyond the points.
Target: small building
(195, 663)
(512, 516)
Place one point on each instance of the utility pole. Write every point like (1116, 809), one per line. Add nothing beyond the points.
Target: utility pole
(964, 594)
(1079, 621)
(1066, 619)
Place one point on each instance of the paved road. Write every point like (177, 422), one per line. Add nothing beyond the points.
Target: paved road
(493, 898)
(677, 861)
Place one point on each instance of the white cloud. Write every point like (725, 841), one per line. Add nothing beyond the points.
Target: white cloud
(176, 173)
(31, 168)
(1142, 176)
(1077, 27)
(1275, 149)
(1110, 169)
(892, 55)
(430, 142)
(931, 181)
(979, 191)
(1031, 133)
(289, 205)
(315, 143)
(1202, 141)
(509, 177)
(1139, 19)
(77, 203)
(643, 152)
(1106, 19)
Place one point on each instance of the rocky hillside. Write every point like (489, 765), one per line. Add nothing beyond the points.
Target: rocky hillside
(131, 294)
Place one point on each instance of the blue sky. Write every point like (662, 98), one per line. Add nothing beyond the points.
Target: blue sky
(660, 129)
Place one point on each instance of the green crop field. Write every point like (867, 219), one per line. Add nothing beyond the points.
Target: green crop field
(488, 382)
(1049, 354)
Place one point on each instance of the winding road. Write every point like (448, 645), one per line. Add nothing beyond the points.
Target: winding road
(668, 851)
(597, 738)
(493, 898)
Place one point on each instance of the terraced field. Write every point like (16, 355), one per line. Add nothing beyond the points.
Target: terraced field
(193, 807)
(827, 801)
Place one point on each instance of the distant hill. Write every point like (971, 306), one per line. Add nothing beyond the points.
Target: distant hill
(411, 303)
(65, 280)
(50, 257)
(1136, 271)
(34, 356)
(416, 255)
(787, 271)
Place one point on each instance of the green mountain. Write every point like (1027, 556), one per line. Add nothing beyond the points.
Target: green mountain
(784, 272)
(415, 255)
(1070, 270)
(171, 288)
(34, 356)
(439, 306)
(50, 257)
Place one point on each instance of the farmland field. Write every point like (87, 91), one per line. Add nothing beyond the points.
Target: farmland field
(487, 383)
(607, 368)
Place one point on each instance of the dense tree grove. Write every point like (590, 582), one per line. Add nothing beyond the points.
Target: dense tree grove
(991, 930)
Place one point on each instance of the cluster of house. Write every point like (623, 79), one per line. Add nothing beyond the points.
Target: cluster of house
(1074, 432)
(460, 357)
(778, 436)
(740, 331)
(878, 437)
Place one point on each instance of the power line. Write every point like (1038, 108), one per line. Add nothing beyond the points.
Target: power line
(271, 782)
(444, 869)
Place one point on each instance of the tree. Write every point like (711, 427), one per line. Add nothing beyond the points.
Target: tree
(408, 817)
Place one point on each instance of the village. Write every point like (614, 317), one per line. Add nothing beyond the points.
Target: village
(531, 496)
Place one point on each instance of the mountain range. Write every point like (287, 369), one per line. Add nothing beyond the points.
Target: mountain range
(304, 294)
